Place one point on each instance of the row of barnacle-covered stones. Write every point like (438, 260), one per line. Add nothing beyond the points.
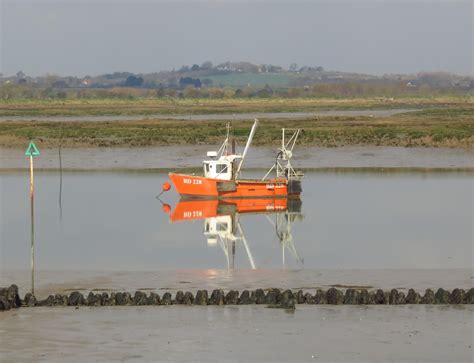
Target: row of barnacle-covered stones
(277, 298)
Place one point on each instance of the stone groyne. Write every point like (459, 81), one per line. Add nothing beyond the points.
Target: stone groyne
(274, 298)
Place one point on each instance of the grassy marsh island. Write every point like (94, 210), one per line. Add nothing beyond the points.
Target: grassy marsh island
(449, 125)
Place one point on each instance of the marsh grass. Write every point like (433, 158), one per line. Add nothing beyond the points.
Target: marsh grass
(150, 106)
(447, 127)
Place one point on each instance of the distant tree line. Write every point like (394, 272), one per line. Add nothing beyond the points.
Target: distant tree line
(189, 81)
(133, 81)
(299, 81)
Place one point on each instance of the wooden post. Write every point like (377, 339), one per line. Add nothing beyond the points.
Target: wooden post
(32, 151)
(32, 198)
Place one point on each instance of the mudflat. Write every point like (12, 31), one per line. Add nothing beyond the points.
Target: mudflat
(244, 333)
(217, 116)
(174, 157)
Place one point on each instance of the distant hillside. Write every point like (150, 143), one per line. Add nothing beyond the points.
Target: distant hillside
(229, 79)
(252, 79)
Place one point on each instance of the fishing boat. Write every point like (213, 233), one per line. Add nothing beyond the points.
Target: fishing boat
(222, 173)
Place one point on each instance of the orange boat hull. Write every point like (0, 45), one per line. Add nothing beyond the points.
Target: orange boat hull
(192, 186)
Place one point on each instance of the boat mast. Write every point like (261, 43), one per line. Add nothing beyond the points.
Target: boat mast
(249, 141)
(224, 149)
(227, 139)
(283, 166)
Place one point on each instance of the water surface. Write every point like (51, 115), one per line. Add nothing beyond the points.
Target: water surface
(348, 221)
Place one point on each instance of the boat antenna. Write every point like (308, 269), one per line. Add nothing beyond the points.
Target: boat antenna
(247, 146)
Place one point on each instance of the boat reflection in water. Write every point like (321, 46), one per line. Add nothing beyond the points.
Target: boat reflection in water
(222, 225)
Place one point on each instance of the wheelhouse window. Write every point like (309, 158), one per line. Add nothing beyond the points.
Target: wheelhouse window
(221, 168)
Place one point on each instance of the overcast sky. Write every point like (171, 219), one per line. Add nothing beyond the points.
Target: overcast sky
(79, 37)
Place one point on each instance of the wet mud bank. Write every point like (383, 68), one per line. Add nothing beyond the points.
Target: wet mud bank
(178, 157)
(216, 116)
(272, 298)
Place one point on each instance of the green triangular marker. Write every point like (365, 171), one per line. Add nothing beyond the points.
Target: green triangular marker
(32, 150)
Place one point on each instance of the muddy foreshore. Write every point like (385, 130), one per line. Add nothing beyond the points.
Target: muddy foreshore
(191, 156)
(230, 326)
(246, 333)
(217, 116)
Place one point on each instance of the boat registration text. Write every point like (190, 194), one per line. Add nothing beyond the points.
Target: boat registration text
(192, 181)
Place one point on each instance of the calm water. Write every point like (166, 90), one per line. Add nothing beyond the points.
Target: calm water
(112, 221)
